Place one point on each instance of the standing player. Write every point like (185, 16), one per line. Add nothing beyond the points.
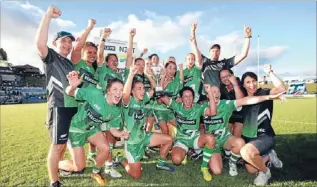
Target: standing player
(84, 55)
(172, 84)
(228, 83)
(108, 70)
(187, 123)
(134, 119)
(61, 107)
(257, 130)
(192, 74)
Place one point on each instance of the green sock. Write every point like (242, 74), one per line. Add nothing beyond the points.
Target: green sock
(206, 156)
(234, 158)
(95, 169)
(161, 162)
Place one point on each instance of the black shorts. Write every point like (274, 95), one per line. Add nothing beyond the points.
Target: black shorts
(263, 143)
(58, 123)
(236, 117)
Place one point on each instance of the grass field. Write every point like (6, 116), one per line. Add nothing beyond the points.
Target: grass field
(24, 146)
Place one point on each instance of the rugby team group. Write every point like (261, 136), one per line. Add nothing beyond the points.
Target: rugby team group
(201, 108)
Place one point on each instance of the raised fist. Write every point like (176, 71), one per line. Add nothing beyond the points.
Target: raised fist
(132, 32)
(53, 12)
(106, 32)
(91, 24)
(247, 31)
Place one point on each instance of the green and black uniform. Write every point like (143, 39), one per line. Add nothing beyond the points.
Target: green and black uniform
(105, 74)
(161, 111)
(134, 121)
(94, 111)
(211, 71)
(61, 107)
(192, 79)
(257, 128)
(218, 125)
(90, 77)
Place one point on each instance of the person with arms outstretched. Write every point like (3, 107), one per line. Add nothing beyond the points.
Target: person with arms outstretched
(257, 128)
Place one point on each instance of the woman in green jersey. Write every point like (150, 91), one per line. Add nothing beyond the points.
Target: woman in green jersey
(134, 99)
(85, 125)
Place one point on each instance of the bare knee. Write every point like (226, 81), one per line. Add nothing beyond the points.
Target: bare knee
(58, 148)
(79, 166)
(216, 171)
(250, 169)
(135, 171)
(239, 143)
(247, 153)
(210, 140)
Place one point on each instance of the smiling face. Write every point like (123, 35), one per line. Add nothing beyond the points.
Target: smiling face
(190, 60)
(224, 77)
(138, 91)
(112, 62)
(187, 99)
(63, 46)
(216, 93)
(250, 84)
(115, 92)
(171, 70)
(140, 65)
(89, 54)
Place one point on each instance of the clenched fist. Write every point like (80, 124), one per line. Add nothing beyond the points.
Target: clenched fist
(53, 11)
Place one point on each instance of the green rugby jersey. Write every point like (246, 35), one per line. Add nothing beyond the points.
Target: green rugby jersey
(218, 125)
(90, 78)
(134, 119)
(187, 120)
(192, 79)
(105, 74)
(95, 110)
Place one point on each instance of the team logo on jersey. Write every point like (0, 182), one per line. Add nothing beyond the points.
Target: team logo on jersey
(138, 116)
(88, 77)
(210, 121)
(93, 115)
(183, 121)
(188, 79)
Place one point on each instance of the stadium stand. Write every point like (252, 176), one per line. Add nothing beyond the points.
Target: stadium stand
(20, 84)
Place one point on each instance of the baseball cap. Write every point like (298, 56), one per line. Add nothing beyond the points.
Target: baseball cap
(215, 46)
(63, 34)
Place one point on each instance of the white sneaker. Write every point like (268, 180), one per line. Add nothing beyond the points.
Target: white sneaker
(112, 172)
(262, 178)
(233, 171)
(277, 163)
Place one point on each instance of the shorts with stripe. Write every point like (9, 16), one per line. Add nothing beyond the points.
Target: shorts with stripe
(186, 143)
(135, 152)
(58, 123)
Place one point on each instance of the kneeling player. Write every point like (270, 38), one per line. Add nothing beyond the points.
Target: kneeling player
(188, 135)
(218, 125)
(134, 118)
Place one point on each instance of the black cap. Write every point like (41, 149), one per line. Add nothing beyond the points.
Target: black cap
(215, 46)
(63, 34)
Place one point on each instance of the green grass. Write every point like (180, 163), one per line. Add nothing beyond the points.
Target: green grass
(25, 142)
(311, 87)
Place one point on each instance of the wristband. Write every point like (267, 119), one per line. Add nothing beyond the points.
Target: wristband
(248, 36)
(268, 73)
(234, 84)
(104, 40)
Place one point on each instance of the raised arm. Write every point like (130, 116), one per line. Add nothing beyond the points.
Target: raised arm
(193, 43)
(74, 81)
(245, 49)
(277, 82)
(79, 44)
(130, 49)
(251, 100)
(101, 47)
(212, 110)
(42, 31)
(237, 91)
(128, 85)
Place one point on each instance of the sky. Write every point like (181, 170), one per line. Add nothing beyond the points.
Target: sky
(286, 30)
